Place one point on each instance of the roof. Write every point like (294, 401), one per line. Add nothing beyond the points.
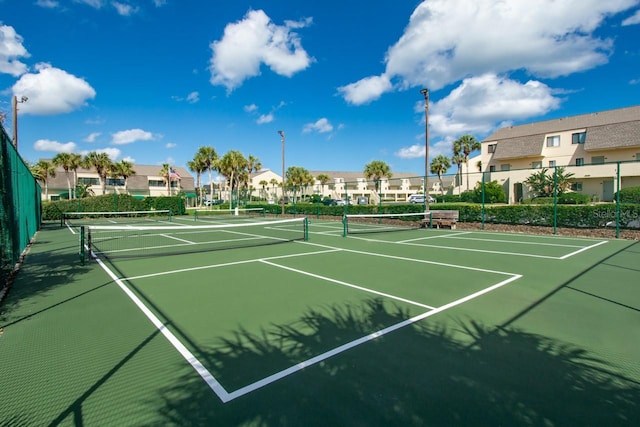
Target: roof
(605, 130)
(584, 121)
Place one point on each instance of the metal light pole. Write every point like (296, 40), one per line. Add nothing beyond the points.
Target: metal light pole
(15, 118)
(283, 177)
(425, 92)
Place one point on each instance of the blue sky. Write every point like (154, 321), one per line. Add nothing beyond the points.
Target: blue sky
(152, 80)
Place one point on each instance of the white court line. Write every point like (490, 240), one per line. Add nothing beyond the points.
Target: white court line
(178, 239)
(511, 241)
(458, 248)
(204, 373)
(317, 359)
(433, 237)
(226, 396)
(340, 282)
(583, 249)
(226, 264)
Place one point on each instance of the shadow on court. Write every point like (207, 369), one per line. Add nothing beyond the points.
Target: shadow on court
(419, 375)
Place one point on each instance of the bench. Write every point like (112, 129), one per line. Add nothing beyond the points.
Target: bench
(442, 218)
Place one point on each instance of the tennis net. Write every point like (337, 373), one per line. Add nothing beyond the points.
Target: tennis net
(110, 241)
(377, 223)
(127, 217)
(225, 214)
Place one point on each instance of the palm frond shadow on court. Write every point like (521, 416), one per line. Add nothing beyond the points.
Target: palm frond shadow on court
(420, 375)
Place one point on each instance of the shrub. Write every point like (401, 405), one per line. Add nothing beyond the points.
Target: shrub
(629, 195)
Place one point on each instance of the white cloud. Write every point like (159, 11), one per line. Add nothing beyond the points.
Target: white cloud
(92, 137)
(55, 146)
(632, 20)
(253, 41)
(366, 90)
(447, 41)
(52, 91)
(93, 3)
(265, 118)
(171, 145)
(478, 103)
(321, 126)
(11, 49)
(412, 152)
(159, 3)
(47, 4)
(129, 136)
(129, 159)
(250, 108)
(124, 9)
(113, 153)
(193, 97)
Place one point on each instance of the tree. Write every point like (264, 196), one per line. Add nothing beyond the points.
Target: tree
(84, 190)
(75, 161)
(42, 171)
(324, 180)
(542, 184)
(123, 169)
(465, 145)
(231, 166)
(298, 178)
(101, 163)
(458, 159)
(263, 183)
(198, 165)
(376, 170)
(209, 158)
(439, 166)
(165, 173)
(274, 185)
(63, 160)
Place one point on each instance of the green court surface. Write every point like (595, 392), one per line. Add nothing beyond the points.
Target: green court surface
(405, 328)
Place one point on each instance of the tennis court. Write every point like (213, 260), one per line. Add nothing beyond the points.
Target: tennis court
(245, 320)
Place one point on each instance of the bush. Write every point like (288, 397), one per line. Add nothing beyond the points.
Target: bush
(112, 203)
(573, 199)
(629, 195)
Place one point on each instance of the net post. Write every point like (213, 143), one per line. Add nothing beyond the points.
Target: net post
(306, 229)
(430, 219)
(82, 248)
(195, 215)
(61, 219)
(170, 215)
(344, 226)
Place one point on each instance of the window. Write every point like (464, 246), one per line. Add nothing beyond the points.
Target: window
(536, 165)
(553, 141)
(576, 186)
(492, 148)
(597, 160)
(552, 163)
(506, 167)
(115, 181)
(492, 168)
(88, 181)
(579, 161)
(156, 183)
(578, 138)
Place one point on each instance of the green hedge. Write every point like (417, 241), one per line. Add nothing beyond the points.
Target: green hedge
(571, 216)
(112, 203)
(629, 195)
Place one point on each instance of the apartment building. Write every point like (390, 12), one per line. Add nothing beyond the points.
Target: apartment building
(147, 181)
(595, 148)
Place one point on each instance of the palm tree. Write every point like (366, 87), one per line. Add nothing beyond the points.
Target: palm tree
(165, 173)
(253, 164)
(209, 158)
(324, 179)
(263, 183)
(63, 160)
(84, 190)
(377, 170)
(439, 166)
(75, 161)
(458, 159)
(123, 169)
(298, 178)
(274, 185)
(231, 166)
(466, 144)
(101, 163)
(198, 166)
(42, 171)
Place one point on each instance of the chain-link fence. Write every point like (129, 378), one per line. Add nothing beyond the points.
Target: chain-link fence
(20, 206)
